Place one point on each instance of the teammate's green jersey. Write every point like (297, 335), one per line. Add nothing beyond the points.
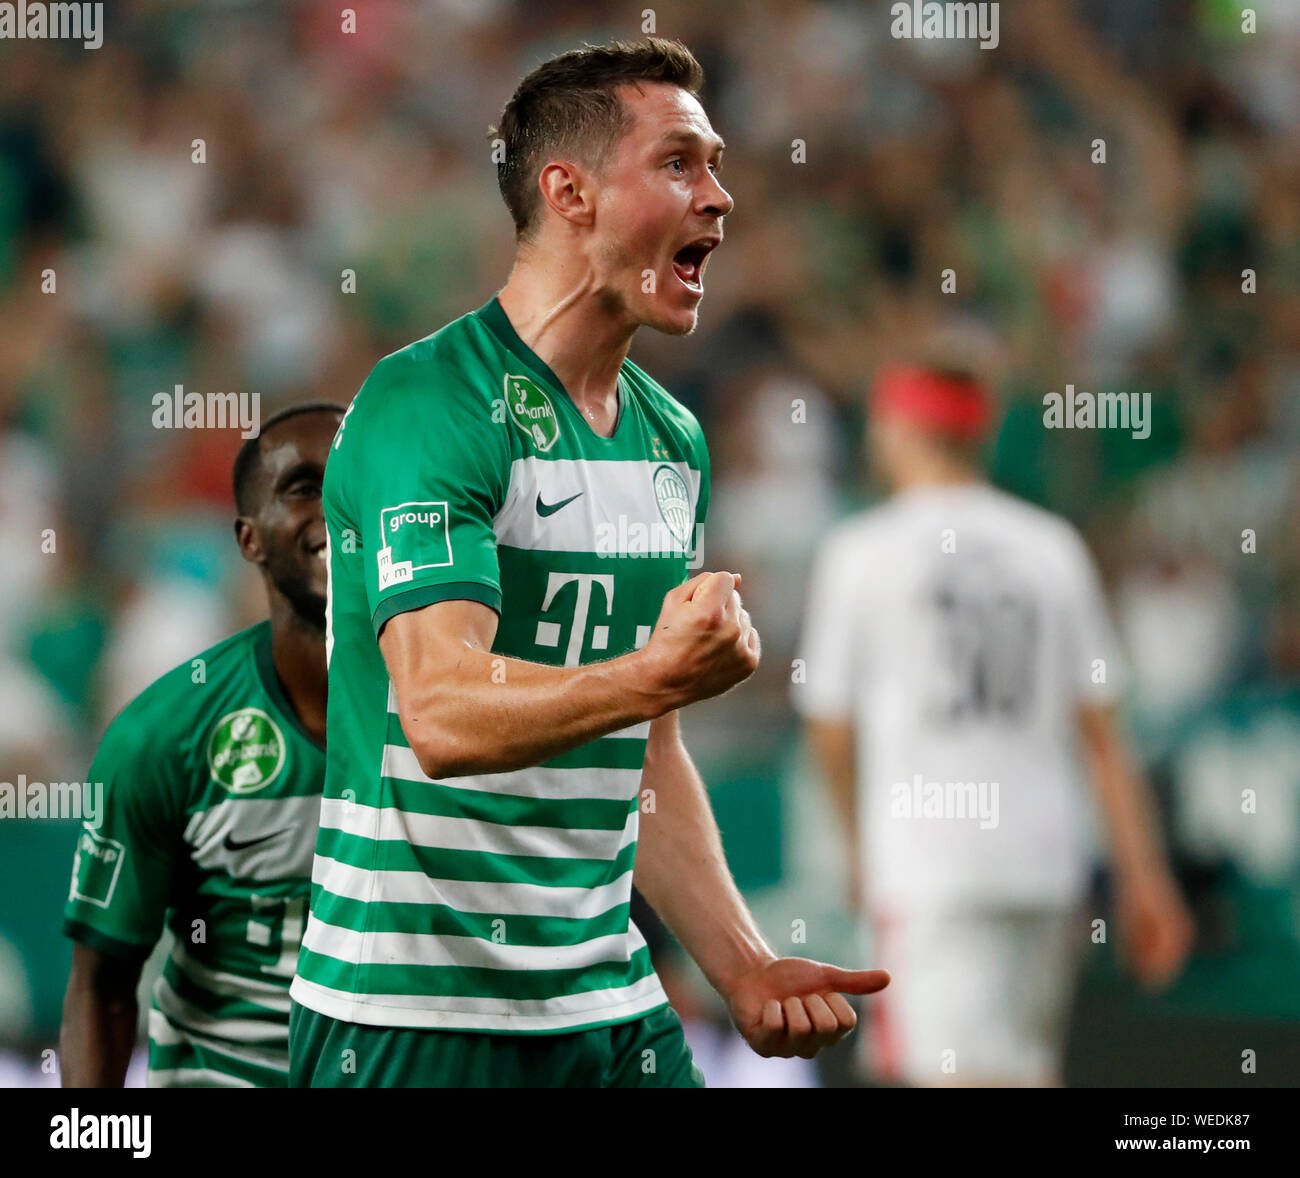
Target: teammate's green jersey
(495, 902)
(211, 797)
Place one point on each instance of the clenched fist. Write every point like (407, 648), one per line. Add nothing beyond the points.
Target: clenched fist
(704, 643)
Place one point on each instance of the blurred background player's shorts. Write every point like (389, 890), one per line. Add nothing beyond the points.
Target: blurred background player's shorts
(978, 997)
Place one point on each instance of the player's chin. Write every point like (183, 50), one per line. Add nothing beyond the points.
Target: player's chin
(678, 317)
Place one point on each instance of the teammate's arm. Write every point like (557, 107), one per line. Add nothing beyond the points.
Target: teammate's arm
(99, 1019)
(1156, 925)
(466, 710)
(782, 1006)
(831, 743)
(122, 878)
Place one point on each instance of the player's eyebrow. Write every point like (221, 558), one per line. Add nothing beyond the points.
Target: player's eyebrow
(693, 139)
(304, 468)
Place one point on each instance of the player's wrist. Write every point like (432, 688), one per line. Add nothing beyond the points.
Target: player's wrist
(653, 690)
(728, 979)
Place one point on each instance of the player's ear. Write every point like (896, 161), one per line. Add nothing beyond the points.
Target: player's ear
(568, 191)
(250, 543)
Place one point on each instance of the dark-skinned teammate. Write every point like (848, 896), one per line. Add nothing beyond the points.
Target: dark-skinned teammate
(212, 782)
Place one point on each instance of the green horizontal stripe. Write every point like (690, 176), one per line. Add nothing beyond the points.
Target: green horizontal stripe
(219, 1005)
(442, 920)
(446, 800)
(454, 981)
(175, 1057)
(476, 866)
(609, 752)
(227, 947)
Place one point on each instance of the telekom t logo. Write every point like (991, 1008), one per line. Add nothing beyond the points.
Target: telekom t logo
(548, 633)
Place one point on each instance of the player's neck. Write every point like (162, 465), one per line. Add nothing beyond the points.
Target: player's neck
(298, 655)
(937, 474)
(557, 311)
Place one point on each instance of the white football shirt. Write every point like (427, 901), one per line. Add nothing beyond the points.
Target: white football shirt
(958, 629)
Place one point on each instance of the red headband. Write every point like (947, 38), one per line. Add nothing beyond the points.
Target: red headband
(944, 404)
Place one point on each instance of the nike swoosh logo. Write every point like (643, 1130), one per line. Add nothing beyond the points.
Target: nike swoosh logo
(243, 844)
(545, 509)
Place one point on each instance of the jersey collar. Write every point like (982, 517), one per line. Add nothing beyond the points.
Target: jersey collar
(498, 323)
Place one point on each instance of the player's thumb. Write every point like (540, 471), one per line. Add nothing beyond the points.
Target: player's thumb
(853, 981)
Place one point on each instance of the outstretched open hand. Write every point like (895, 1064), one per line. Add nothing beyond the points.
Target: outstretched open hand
(792, 1006)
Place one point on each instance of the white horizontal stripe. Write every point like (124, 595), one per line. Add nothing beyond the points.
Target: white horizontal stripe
(190, 1017)
(230, 985)
(616, 1004)
(561, 784)
(608, 490)
(436, 832)
(496, 899)
(387, 948)
(286, 854)
(167, 1034)
(194, 1078)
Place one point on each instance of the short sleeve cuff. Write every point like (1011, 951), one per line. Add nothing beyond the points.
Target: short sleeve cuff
(418, 598)
(91, 937)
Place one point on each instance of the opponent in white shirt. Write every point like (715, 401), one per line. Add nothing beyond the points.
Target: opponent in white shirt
(959, 690)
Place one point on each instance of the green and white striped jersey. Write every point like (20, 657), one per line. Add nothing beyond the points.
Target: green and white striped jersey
(211, 798)
(496, 902)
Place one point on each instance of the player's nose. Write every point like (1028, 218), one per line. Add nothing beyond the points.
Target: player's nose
(714, 199)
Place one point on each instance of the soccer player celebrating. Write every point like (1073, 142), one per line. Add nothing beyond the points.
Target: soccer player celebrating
(511, 505)
(961, 678)
(212, 778)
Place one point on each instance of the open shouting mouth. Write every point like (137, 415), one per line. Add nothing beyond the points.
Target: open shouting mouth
(688, 262)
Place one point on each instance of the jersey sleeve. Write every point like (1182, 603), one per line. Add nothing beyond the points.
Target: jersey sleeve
(126, 854)
(828, 647)
(425, 471)
(1095, 665)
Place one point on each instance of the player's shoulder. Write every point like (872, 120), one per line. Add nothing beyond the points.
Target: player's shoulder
(1045, 530)
(183, 704)
(662, 407)
(430, 376)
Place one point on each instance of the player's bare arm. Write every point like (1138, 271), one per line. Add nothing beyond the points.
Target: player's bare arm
(831, 744)
(1155, 923)
(466, 710)
(783, 1006)
(99, 1019)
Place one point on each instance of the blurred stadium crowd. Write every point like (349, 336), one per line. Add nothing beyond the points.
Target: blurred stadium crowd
(369, 152)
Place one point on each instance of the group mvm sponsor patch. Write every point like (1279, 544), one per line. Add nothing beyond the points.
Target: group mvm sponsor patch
(416, 536)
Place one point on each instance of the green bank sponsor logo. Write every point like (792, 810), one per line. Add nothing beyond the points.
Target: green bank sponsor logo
(95, 868)
(674, 503)
(416, 536)
(246, 751)
(531, 410)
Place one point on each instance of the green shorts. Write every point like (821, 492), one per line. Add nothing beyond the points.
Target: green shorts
(649, 1052)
